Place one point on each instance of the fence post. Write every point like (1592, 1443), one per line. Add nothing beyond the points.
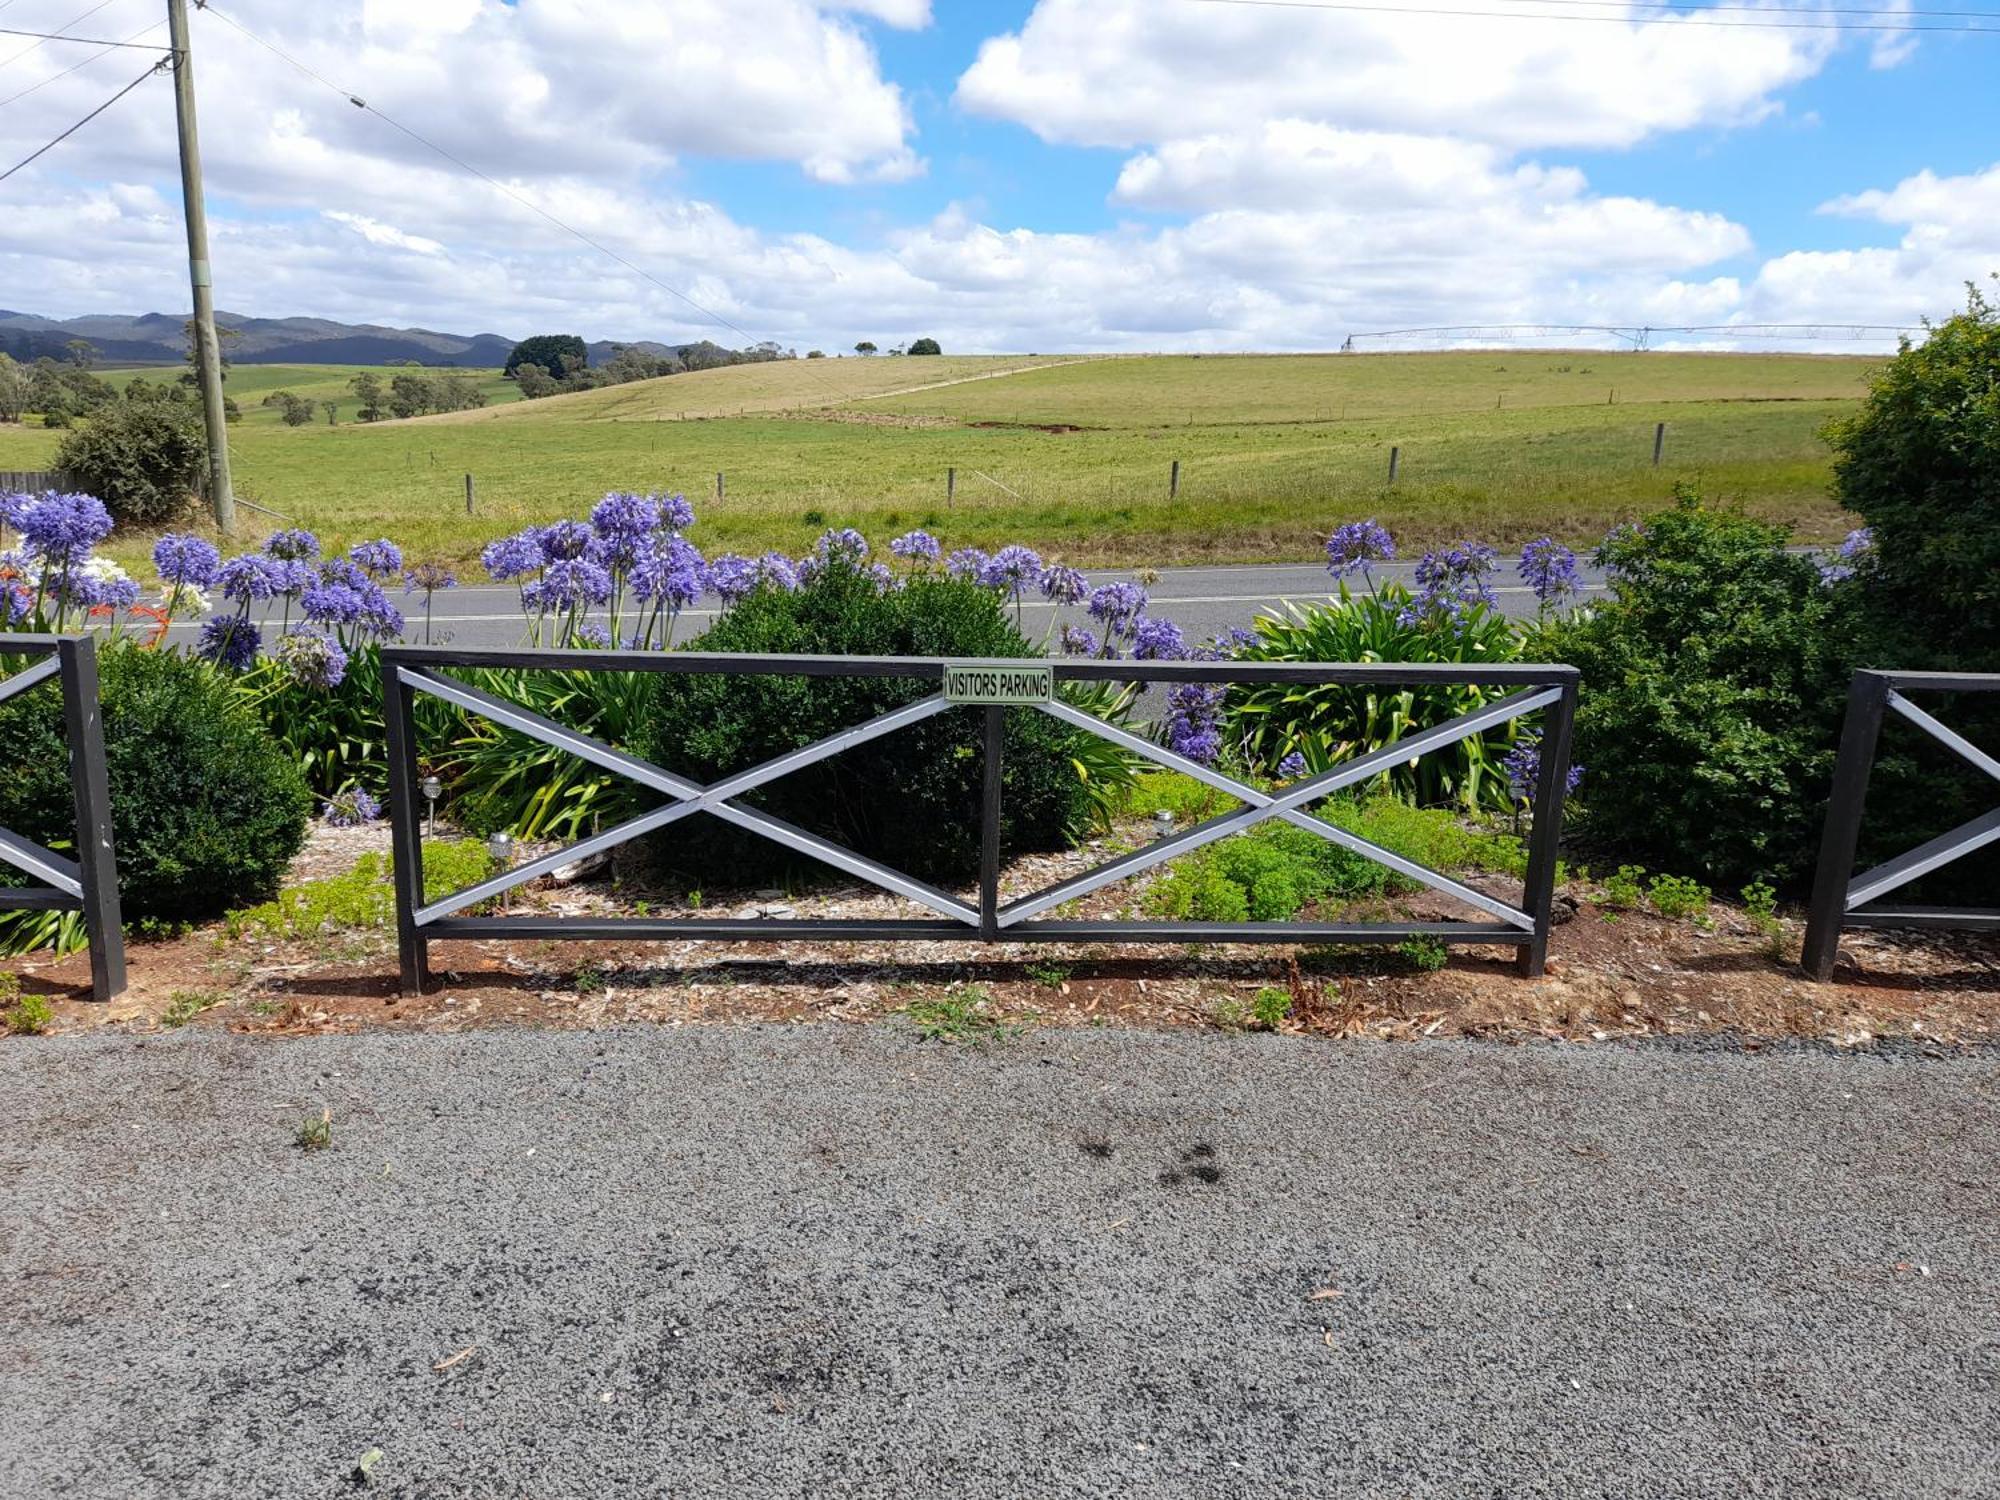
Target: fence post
(1867, 701)
(406, 833)
(468, 494)
(989, 827)
(718, 484)
(1174, 480)
(1538, 885)
(1659, 441)
(1395, 456)
(950, 487)
(91, 791)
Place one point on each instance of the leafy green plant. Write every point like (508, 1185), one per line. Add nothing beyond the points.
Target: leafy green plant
(911, 798)
(207, 812)
(1678, 896)
(363, 897)
(1270, 1007)
(315, 1132)
(966, 1013)
(1426, 955)
(1331, 724)
(1712, 680)
(184, 1005)
(1622, 891)
(141, 454)
(1050, 976)
(1760, 908)
(24, 1015)
(589, 979)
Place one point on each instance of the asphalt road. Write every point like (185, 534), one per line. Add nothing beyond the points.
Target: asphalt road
(1204, 602)
(836, 1261)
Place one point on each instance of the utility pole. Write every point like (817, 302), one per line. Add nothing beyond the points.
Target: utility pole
(208, 353)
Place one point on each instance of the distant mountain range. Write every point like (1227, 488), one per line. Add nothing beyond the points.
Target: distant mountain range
(156, 339)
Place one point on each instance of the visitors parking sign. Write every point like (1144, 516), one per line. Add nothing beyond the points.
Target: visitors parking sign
(998, 682)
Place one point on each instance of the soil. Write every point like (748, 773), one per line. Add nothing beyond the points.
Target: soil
(1611, 974)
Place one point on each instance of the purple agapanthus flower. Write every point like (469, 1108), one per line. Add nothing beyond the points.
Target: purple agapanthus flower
(1117, 607)
(675, 512)
(429, 578)
(673, 574)
(296, 545)
(16, 603)
(1194, 721)
(1011, 569)
(1158, 640)
(733, 576)
(1077, 641)
(186, 561)
(1450, 584)
(1292, 767)
(89, 589)
(312, 658)
(590, 633)
(1522, 765)
(1549, 569)
(1064, 585)
(1357, 546)
(566, 541)
(1839, 564)
(351, 808)
(966, 562)
(779, 571)
(569, 583)
(228, 641)
(625, 519)
(513, 557)
(917, 546)
(61, 529)
(13, 505)
(846, 544)
(378, 559)
(331, 602)
(250, 579)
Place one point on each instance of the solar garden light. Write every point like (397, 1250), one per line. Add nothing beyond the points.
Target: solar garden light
(1163, 824)
(501, 847)
(432, 788)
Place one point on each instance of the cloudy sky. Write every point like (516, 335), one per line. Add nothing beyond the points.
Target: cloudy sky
(1017, 174)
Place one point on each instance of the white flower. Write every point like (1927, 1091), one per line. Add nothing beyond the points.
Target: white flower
(189, 602)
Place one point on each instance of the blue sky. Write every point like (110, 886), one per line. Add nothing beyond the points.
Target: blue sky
(1022, 173)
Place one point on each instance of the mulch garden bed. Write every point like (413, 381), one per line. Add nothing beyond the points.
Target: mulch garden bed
(1612, 975)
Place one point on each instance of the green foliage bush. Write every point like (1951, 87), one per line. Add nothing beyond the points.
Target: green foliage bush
(1920, 463)
(142, 455)
(1332, 724)
(363, 897)
(1267, 875)
(1712, 685)
(206, 810)
(911, 799)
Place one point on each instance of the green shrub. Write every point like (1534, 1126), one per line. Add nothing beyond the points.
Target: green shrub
(23, 1015)
(1678, 896)
(1426, 955)
(142, 455)
(1332, 724)
(206, 810)
(1267, 875)
(1622, 891)
(363, 897)
(1712, 682)
(1270, 1007)
(1920, 463)
(911, 799)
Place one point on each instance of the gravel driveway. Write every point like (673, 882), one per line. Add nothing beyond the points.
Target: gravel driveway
(836, 1261)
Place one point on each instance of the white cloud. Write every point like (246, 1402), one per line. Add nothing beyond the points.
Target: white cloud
(1127, 73)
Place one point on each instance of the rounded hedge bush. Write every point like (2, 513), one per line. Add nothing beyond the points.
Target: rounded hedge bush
(142, 455)
(206, 809)
(910, 799)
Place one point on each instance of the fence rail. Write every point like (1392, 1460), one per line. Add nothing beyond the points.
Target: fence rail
(88, 883)
(1842, 900)
(31, 481)
(409, 670)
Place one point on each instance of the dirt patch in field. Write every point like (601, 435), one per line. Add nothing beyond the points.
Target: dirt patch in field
(1612, 974)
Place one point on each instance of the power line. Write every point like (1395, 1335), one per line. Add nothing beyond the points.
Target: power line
(158, 67)
(1639, 336)
(1661, 12)
(56, 34)
(53, 77)
(1879, 12)
(465, 166)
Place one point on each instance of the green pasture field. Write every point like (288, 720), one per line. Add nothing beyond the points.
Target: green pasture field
(1073, 455)
(250, 384)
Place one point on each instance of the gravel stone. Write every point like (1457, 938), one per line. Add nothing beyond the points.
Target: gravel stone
(777, 1261)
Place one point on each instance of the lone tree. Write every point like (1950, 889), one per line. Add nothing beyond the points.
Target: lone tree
(864, 347)
(557, 353)
(925, 346)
